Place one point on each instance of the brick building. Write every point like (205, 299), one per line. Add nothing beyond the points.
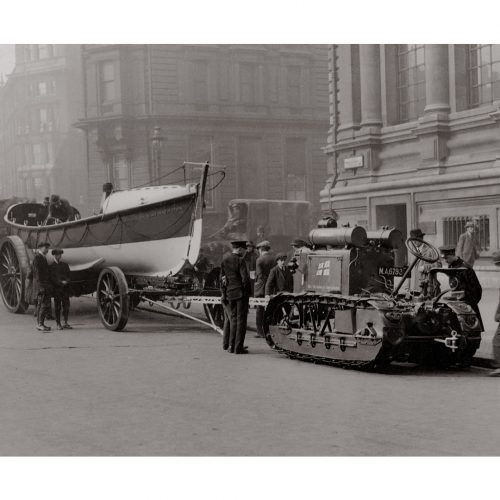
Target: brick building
(260, 110)
(42, 153)
(414, 139)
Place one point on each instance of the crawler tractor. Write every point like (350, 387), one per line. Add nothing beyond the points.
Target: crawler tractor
(347, 309)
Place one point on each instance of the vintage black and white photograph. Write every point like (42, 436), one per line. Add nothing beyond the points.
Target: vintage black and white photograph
(260, 248)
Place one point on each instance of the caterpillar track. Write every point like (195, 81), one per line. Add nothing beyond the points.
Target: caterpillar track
(345, 332)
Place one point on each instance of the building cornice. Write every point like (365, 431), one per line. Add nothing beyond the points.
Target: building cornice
(424, 182)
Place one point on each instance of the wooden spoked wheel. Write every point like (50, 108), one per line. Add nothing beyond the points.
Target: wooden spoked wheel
(14, 265)
(113, 300)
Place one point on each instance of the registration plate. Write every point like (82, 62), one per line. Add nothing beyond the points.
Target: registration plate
(392, 271)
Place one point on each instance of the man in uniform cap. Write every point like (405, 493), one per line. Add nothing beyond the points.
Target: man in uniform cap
(467, 246)
(263, 267)
(60, 279)
(235, 288)
(496, 336)
(468, 282)
(40, 286)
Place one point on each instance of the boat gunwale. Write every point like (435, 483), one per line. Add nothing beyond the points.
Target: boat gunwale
(94, 218)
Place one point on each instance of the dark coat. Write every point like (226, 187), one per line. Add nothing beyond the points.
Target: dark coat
(467, 249)
(468, 282)
(235, 280)
(59, 271)
(263, 267)
(251, 259)
(279, 280)
(39, 276)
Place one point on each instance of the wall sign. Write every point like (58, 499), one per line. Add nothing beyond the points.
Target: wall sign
(354, 162)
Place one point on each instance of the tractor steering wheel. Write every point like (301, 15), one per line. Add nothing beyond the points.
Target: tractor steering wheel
(425, 251)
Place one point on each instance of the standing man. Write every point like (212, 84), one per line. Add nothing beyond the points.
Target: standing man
(424, 280)
(467, 281)
(250, 257)
(280, 278)
(40, 279)
(466, 246)
(236, 283)
(263, 267)
(496, 336)
(60, 279)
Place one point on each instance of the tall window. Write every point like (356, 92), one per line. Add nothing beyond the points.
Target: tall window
(200, 78)
(247, 83)
(483, 70)
(120, 171)
(293, 85)
(295, 169)
(107, 89)
(411, 81)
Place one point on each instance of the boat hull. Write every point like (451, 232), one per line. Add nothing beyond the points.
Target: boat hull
(152, 240)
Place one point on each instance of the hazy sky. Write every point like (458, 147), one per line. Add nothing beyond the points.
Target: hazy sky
(6, 59)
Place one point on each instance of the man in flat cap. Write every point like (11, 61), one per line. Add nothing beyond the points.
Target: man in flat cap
(39, 277)
(60, 279)
(496, 336)
(423, 279)
(280, 278)
(235, 288)
(467, 280)
(263, 267)
(467, 245)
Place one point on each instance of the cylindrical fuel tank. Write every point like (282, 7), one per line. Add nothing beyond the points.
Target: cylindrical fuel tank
(339, 236)
(388, 238)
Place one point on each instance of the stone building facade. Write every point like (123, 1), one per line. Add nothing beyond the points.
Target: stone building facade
(42, 153)
(259, 110)
(414, 139)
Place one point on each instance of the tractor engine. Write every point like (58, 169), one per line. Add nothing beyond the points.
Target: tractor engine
(348, 261)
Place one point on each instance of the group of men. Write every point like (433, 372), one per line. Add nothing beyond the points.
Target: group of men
(57, 209)
(46, 281)
(247, 272)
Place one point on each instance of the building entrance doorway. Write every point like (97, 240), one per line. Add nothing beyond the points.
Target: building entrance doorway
(394, 216)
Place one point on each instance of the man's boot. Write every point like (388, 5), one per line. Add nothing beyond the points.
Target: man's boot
(41, 319)
(66, 325)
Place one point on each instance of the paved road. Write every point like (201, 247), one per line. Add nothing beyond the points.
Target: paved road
(165, 387)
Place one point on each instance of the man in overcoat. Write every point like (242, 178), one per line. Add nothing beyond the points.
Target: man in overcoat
(235, 282)
(60, 278)
(41, 290)
(466, 246)
(263, 267)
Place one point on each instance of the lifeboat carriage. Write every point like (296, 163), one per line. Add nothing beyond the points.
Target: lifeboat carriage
(142, 246)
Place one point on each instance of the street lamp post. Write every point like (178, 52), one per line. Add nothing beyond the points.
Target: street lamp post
(156, 144)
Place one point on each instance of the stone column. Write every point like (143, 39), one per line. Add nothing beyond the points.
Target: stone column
(371, 106)
(437, 84)
(345, 87)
